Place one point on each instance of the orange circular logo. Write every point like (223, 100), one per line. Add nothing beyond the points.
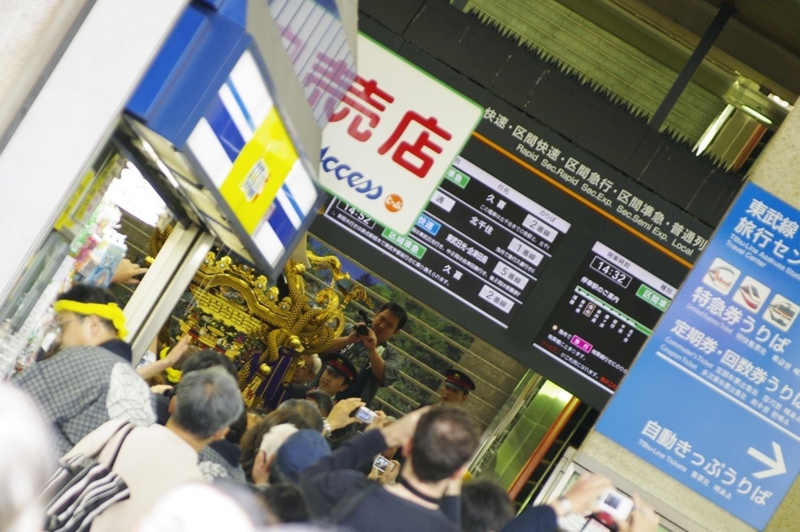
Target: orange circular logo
(393, 203)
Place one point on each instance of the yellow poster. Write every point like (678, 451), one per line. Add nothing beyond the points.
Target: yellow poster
(259, 171)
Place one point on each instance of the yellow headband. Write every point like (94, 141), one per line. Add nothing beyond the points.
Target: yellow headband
(173, 375)
(110, 312)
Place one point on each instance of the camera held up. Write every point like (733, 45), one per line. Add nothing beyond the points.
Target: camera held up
(363, 330)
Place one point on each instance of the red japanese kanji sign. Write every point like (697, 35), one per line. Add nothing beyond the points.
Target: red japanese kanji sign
(389, 142)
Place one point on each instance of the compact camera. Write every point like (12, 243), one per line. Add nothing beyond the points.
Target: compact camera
(615, 504)
(363, 329)
(381, 462)
(365, 414)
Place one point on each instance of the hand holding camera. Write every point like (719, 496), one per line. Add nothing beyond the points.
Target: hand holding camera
(582, 497)
(615, 504)
(365, 415)
(384, 470)
(341, 414)
(612, 510)
(363, 328)
(619, 513)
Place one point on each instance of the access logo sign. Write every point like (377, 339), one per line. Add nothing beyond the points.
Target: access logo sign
(393, 136)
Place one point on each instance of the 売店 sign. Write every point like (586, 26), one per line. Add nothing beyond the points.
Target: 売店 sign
(390, 141)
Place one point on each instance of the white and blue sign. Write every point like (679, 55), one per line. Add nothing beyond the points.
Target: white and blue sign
(428, 224)
(714, 397)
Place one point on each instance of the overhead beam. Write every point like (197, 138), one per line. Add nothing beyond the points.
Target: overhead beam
(694, 62)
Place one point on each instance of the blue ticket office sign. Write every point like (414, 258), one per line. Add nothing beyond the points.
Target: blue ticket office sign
(713, 399)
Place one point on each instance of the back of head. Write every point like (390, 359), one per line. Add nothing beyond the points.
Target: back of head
(285, 501)
(251, 442)
(305, 415)
(208, 400)
(208, 358)
(25, 461)
(84, 293)
(300, 451)
(275, 438)
(485, 506)
(323, 400)
(443, 441)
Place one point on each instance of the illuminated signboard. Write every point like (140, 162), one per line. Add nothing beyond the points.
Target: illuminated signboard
(598, 327)
(316, 41)
(525, 230)
(390, 141)
(249, 159)
(478, 239)
(714, 398)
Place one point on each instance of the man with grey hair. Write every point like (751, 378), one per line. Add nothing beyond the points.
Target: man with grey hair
(155, 459)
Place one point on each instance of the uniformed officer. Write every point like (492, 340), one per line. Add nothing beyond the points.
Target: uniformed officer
(456, 387)
(337, 375)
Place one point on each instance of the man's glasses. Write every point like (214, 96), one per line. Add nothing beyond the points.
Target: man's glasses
(59, 327)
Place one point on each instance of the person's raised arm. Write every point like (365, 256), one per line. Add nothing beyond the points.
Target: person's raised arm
(172, 358)
(643, 518)
(376, 361)
(582, 496)
(340, 413)
(340, 343)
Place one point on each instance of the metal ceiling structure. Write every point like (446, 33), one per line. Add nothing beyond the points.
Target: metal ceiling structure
(778, 20)
(635, 50)
(763, 36)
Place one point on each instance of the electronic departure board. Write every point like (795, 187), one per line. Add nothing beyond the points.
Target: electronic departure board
(598, 326)
(478, 239)
(536, 246)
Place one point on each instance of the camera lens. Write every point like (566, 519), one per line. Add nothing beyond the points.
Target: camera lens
(363, 330)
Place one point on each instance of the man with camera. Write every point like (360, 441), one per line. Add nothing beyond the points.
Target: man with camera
(425, 498)
(365, 345)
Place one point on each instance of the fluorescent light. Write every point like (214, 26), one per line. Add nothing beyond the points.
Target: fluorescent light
(713, 129)
(755, 114)
(131, 192)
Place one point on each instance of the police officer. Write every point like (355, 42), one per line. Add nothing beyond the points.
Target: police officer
(456, 387)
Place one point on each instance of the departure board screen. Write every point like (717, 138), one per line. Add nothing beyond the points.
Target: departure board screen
(598, 326)
(518, 242)
(478, 239)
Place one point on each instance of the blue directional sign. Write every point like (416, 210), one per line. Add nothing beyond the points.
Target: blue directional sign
(714, 398)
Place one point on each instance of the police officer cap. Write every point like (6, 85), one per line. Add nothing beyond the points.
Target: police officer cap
(456, 378)
(341, 365)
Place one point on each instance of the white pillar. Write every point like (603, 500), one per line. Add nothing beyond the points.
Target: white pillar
(72, 116)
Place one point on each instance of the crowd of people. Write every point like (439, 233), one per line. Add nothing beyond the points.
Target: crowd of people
(192, 458)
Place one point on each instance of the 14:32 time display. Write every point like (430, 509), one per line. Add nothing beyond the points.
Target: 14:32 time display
(611, 271)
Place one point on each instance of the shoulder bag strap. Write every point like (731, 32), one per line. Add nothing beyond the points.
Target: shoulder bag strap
(125, 429)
